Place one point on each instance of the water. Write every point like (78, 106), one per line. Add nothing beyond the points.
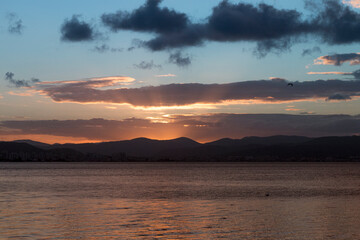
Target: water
(179, 201)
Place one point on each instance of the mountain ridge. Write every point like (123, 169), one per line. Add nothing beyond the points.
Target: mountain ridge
(272, 148)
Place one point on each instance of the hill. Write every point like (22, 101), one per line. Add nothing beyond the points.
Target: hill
(274, 148)
(138, 147)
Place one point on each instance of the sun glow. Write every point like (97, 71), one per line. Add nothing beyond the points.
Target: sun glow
(50, 139)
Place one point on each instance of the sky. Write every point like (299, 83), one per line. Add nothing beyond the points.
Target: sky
(91, 70)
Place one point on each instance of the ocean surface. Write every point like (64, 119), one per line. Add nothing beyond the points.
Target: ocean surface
(180, 201)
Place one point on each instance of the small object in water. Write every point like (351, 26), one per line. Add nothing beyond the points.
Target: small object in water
(267, 194)
(290, 84)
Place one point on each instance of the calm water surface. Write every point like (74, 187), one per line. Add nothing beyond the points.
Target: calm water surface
(179, 201)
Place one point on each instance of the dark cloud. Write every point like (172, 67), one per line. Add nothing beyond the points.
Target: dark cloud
(106, 48)
(9, 77)
(198, 127)
(338, 23)
(234, 22)
(273, 30)
(15, 24)
(270, 27)
(180, 60)
(135, 44)
(147, 18)
(274, 46)
(339, 97)
(147, 65)
(102, 48)
(338, 59)
(193, 35)
(75, 30)
(310, 51)
(184, 94)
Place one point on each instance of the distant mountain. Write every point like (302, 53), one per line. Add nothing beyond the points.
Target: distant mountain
(18, 147)
(268, 141)
(274, 148)
(138, 147)
(22, 151)
(34, 143)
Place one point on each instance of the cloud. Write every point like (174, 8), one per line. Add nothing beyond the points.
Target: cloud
(96, 82)
(234, 22)
(275, 46)
(178, 59)
(270, 91)
(353, 3)
(147, 65)
(329, 73)
(135, 44)
(338, 59)
(338, 23)
(339, 97)
(228, 22)
(193, 35)
(105, 48)
(199, 127)
(102, 48)
(147, 18)
(355, 74)
(166, 75)
(9, 77)
(310, 51)
(274, 79)
(75, 30)
(15, 24)
(273, 30)
(22, 94)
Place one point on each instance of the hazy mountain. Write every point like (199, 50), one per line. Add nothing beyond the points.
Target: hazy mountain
(138, 147)
(275, 148)
(35, 143)
(272, 140)
(18, 147)
(22, 151)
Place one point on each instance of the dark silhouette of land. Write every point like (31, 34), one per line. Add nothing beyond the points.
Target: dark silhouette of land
(248, 149)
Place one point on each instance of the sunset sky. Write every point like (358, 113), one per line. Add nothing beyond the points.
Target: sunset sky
(107, 70)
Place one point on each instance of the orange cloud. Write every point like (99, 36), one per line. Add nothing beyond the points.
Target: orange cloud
(166, 75)
(354, 3)
(114, 79)
(330, 73)
(111, 107)
(338, 59)
(193, 95)
(23, 94)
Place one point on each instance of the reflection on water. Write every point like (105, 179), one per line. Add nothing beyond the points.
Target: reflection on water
(179, 201)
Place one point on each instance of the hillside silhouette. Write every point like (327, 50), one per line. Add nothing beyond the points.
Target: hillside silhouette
(273, 148)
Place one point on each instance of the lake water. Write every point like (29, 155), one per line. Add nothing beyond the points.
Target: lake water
(179, 201)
